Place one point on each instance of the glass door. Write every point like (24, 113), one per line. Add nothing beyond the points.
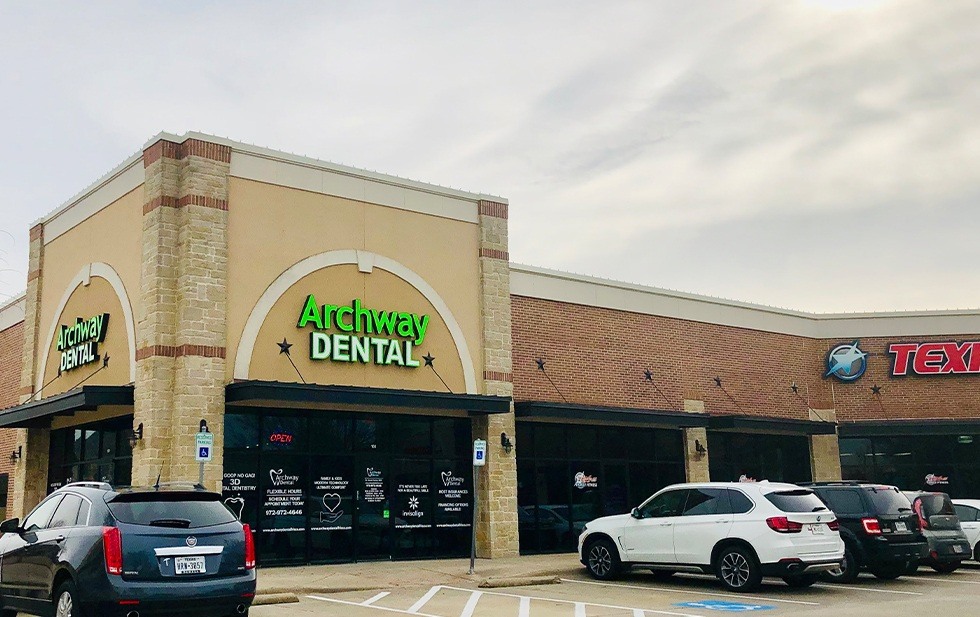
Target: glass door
(372, 514)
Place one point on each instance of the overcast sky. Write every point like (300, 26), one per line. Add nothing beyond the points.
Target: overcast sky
(821, 155)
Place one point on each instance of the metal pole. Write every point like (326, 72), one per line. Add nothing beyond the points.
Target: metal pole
(200, 479)
(476, 478)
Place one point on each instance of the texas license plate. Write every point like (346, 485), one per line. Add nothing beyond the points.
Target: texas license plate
(957, 549)
(817, 529)
(189, 565)
(901, 526)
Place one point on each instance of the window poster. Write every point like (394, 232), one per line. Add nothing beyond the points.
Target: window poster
(283, 494)
(331, 499)
(240, 486)
(411, 499)
(453, 494)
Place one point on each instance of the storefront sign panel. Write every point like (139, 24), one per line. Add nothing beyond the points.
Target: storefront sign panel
(79, 342)
(362, 335)
(935, 358)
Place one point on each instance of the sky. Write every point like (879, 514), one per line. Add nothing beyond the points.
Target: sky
(818, 155)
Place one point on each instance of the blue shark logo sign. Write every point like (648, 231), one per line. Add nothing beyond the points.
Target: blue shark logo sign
(846, 362)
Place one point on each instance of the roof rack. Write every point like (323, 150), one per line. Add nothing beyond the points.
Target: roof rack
(89, 483)
(836, 483)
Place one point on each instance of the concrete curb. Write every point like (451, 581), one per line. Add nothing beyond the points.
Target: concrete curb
(263, 599)
(293, 589)
(519, 581)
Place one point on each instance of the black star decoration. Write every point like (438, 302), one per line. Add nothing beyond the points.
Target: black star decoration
(540, 363)
(796, 389)
(717, 381)
(429, 359)
(876, 390)
(105, 361)
(648, 374)
(284, 346)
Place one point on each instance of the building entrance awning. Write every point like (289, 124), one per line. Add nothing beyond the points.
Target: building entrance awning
(38, 414)
(898, 428)
(558, 412)
(255, 393)
(771, 426)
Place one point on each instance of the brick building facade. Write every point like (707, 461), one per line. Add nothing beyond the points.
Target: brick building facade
(590, 393)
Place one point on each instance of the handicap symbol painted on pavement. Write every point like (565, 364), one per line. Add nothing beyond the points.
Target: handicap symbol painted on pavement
(728, 607)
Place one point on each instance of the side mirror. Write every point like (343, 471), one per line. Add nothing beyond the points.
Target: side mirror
(10, 526)
(636, 513)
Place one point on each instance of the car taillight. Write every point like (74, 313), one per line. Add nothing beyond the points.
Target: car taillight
(249, 547)
(871, 526)
(784, 525)
(112, 547)
(923, 521)
(834, 525)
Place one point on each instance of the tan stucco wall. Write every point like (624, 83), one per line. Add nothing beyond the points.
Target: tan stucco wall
(112, 236)
(87, 301)
(271, 228)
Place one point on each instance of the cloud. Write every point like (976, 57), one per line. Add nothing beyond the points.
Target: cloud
(623, 133)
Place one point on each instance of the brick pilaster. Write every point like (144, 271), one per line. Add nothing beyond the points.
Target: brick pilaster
(497, 529)
(30, 475)
(180, 327)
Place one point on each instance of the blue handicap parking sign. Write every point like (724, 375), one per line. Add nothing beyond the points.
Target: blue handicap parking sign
(728, 607)
(204, 452)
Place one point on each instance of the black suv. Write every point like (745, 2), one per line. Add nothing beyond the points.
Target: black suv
(879, 529)
(90, 549)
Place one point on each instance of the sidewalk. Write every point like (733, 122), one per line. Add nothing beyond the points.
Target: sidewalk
(390, 574)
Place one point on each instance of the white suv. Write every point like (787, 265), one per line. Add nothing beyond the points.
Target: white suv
(738, 531)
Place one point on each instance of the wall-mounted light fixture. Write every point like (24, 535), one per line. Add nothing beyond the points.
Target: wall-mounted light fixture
(505, 443)
(17, 454)
(136, 436)
(699, 448)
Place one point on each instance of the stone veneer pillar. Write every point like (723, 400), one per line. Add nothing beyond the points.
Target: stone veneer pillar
(497, 514)
(695, 465)
(180, 327)
(30, 473)
(825, 450)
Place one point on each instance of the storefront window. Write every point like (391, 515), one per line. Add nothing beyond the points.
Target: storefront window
(97, 452)
(329, 487)
(607, 471)
(946, 463)
(754, 456)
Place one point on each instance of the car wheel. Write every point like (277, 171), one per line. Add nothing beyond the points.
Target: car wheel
(888, 572)
(847, 573)
(66, 601)
(737, 569)
(602, 560)
(912, 567)
(801, 580)
(946, 568)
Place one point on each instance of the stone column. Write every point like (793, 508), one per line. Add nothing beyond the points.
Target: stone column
(497, 522)
(825, 449)
(30, 473)
(695, 465)
(180, 327)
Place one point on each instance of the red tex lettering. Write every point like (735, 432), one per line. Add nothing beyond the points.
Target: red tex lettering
(935, 358)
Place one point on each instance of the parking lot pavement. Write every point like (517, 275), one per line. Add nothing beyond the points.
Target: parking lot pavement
(639, 595)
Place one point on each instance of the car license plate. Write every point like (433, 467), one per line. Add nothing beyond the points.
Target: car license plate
(901, 526)
(817, 530)
(957, 549)
(189, 565)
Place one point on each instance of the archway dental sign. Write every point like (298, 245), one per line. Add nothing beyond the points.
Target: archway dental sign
(79, 343)
(364, 335)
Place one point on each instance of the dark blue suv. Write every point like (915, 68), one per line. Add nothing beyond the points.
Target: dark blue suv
(91, 550)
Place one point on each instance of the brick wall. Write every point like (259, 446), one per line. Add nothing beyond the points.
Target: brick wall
(598, 355)
(11, 354)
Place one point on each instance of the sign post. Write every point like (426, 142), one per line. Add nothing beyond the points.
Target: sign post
(204, 449)
(479, 460)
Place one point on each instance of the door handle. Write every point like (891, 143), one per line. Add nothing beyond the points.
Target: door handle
(59, 539)
(666, 524)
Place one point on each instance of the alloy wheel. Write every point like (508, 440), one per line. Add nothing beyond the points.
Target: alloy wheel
(600, 561)
(735, 569)
(64, 605)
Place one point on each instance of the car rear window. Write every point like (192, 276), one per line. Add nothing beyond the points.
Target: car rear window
(940, 504)
(800, 500)
(889, 500)
(178, 514)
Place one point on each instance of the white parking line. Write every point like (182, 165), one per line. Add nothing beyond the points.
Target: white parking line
(868, 589)
(689, 592)
(421, 601)
(377, 608)
(470, 607)
(936, 579)
(525, 607)
(375, 598)
(579, 609)
(573, 602)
